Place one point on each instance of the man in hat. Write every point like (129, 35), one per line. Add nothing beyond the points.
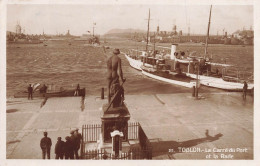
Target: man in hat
(30, 92)
(68, 148)
(59, 149)
(43, 89)
(45, 145)
(114, 65)
(73, 143)
(244, 90)
(78, 138)
(77, 91)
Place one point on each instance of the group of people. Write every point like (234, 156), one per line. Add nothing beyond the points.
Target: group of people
(30, 90)
(68, 149)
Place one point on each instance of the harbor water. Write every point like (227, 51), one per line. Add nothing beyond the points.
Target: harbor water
(65, 65)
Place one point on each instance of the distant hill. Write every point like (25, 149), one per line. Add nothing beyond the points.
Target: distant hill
(123, 33)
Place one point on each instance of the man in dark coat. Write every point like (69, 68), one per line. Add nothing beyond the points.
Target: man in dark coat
(77, 91)
(43, 89)
(78, 138)
(68, 149)
(45, 145)
(30, 92)
(74, 143)
(59, 149)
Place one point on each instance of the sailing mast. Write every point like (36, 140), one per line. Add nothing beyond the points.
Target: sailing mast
(206, 45)
(146, 48)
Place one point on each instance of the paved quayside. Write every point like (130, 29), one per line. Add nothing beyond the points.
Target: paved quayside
(172, 122)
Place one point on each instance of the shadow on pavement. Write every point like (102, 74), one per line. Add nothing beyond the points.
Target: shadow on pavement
(12, 142)
(11, 110)
(162, 147)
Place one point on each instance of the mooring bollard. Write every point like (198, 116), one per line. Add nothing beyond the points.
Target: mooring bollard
(197, 92)
(193, 91)
(102, 93)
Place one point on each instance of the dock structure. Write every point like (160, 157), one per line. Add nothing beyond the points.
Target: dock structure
(177, 126)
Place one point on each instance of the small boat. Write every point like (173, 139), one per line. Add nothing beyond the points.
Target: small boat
(65, 93)
(38, 93)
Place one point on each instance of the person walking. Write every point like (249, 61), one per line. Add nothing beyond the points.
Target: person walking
(59, 149)
(45, 145)
(68, 149)
(245, 90)
(30, 92)
(78, 138)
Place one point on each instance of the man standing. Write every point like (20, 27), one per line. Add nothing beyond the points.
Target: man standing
(43, 89)
(244, 90)
(114, 65)
(73, 144)
(45, 145)
(77, 91)
(59, 149)
(68, 148)
(78, 138)
(30, 92)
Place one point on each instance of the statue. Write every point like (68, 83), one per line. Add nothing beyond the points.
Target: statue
(115, 90)
(115, 112)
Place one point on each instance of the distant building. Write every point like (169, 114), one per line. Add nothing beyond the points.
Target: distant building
(243, 34)
(68, 33)
(18, 28)
(174, 30)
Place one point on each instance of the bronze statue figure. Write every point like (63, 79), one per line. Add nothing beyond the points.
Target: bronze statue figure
(115, 90)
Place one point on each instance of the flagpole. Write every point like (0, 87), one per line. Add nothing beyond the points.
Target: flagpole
(146, 48)
(93, 28)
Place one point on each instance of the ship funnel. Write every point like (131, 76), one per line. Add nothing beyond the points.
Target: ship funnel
(173, 50)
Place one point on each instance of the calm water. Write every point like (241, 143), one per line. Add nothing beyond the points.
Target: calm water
(66, 65)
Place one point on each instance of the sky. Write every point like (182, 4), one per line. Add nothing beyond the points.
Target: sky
(79, 19)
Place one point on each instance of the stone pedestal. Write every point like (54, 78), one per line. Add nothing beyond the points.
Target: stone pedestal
(114, 119)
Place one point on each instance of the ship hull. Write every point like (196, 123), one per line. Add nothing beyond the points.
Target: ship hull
(220, 83)
(186, 83)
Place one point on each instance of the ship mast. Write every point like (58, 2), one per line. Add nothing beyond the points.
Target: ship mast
(206, 45)
(146, 48)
